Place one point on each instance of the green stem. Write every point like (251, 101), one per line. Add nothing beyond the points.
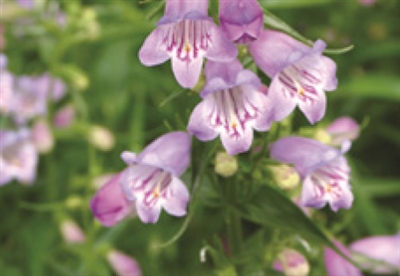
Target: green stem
(234, 225)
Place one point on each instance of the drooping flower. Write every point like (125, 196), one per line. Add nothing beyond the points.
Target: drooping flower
(71, 232)
(18, 157)
(110, 204)
(232, 106)
(6, 86)
(380, 248)
(323, 170)
(151, 180)
(300, 74)
(336, 265)
(42, 136)
(241, 20)
(186, 35)
(123, 264)
(64, 117)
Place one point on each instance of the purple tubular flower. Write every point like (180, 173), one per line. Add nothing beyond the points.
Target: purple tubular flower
(241, 20)
(300, 75)
(380, 248)
(151, 180)
(186, 34)
(324, 171)
(343, 128)
(6, 86)
(18, 157)
(232, 106)
(336, 265)
(110, 205)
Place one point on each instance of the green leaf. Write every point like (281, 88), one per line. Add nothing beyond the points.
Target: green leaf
(371, 86)
(269, 207)
(274, 22)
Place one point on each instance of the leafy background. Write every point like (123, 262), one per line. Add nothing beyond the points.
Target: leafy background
(96, 55)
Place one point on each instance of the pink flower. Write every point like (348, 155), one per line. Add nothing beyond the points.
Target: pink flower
(123, 264)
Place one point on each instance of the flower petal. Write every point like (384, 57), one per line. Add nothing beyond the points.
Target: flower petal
(235, 144)
(178, 197)
(336, 265)
(221, 49)
(187, 73)
(314, 109)
(199, 124)
(281, 99)
(345, 200)
(148, 214)
(312, 195)
(152, 52)
(170, 151)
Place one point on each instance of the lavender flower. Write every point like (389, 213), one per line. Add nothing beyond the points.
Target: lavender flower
(123, 264)
(186, 34)
(323, 170)
(336, 265)
(380, 248)
(65, 116)
(300, 75)
(343, 128)
(241, 20)
(110, 205)
(18, 156)
(151, 180)
(6, 86)
(232, 106)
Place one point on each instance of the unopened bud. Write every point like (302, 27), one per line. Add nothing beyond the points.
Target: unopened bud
(71, 232)
(101, 138)
(123, 264)
(73, 202)
(323, 136)
(65, 116)
(292, 262)
(42, 136)
(225, 165)
(286, 176)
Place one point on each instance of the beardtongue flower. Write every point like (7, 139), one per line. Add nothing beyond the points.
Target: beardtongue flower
(18, 156)
(232, 106)
(323, 170)
(151, 180)
(241, 20)
(380, 248)
(336, 265)
(123, 264)
(343, 128)
(109, 205)
(186, 34)
(300, 75)
(292, 263)
(6, 86)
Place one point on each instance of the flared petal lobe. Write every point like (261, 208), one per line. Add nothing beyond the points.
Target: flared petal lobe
(241, 20)
(110, 205)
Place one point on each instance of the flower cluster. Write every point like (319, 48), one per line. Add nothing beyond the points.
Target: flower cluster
(234, 102)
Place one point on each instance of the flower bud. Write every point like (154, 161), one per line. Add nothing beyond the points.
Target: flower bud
(42, 136)
(64, 117)
(225, 164)
(122, 264)
(101, 138)
(286, 176)
(292, 263)
(71, 232)
(343, 128)
(323, 136)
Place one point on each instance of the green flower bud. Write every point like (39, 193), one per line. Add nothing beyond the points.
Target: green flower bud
(225, 165)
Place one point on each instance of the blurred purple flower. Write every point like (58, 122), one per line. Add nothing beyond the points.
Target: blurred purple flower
(32, 95)
(151, 180)
(186, 34)
(42, 136)
(336, 265)
(324, 171)
(291, 262)
(110, 205)
(343, 128)
(18, 156)
(6, 86)
(232, 106)
(367, 2)
(65, 116)
(380, 248)
(241, 20)
(123, 264)
(27, 4)
(300, 75)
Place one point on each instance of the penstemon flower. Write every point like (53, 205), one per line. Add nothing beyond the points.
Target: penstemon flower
(110, 205)
(241, 20)
(18, 156)
(300, 75)
(151, 180)
(343, 128)
(232, 106)
(336, 265)
(186, 34)
(6, 86)
(122, 264)
(324, 171)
